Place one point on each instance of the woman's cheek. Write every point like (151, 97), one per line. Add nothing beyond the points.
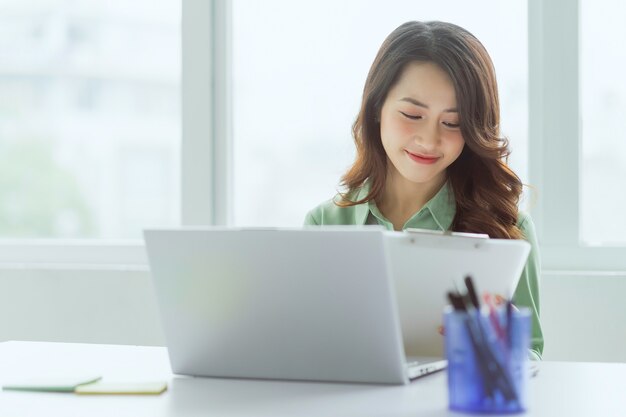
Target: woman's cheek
(406, 127)
(454, 138)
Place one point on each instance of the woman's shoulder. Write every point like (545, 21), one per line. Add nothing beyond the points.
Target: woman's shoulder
(526, 225)
(524, 219)
(329, 213)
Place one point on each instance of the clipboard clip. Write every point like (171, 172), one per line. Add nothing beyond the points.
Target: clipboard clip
(446, 233)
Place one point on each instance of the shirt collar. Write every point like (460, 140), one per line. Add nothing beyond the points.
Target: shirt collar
(442, 207)
(362, 210)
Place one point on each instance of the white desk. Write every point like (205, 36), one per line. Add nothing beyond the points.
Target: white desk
(560, 389)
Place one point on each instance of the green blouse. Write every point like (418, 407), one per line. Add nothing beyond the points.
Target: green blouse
(437, 214)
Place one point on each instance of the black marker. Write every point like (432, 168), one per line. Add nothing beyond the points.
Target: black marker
(471, 291)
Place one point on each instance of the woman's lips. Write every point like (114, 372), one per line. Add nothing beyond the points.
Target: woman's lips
(422, 159)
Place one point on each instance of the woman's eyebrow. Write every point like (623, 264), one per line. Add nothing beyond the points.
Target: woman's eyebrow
(420, 104)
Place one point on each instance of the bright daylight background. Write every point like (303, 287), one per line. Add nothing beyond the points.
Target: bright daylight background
(603, 111)
(89, 117)
(90, 107)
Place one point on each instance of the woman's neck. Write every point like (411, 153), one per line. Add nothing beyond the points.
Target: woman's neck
(402, 198)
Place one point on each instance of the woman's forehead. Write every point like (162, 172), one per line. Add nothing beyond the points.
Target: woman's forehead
(426, 83)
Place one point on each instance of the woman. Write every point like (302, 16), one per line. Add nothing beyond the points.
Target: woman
(429, 150)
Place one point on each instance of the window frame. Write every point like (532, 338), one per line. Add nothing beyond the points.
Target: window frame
(555, 141)
(207, 163)
(206, 113)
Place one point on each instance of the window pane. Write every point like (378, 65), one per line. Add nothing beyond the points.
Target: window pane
(603, 106)
(89, 117)
(299, 70)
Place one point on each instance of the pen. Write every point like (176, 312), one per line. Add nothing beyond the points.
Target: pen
(494, 368)
(500, 332)
(471, 291)
(458, 302)
(509, 323)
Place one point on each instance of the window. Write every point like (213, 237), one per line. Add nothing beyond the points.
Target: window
(89, 118)
(89, 134)
(603, 106)
(570, 227)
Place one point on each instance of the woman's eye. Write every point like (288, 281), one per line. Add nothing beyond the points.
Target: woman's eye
(410, 116)
(451, 125)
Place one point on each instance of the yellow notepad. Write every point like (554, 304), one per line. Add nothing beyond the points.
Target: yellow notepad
(122, 388)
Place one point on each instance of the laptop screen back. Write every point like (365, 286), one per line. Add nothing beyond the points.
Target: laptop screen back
(286, 304)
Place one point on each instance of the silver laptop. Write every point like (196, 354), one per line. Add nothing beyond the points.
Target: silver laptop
(312, 304)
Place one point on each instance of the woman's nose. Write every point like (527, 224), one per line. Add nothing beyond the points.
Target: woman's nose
(428, 135)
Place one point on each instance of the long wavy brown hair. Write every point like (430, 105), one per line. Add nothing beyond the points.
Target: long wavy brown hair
(486, 190)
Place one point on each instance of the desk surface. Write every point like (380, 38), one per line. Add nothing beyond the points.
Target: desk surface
(560, 389)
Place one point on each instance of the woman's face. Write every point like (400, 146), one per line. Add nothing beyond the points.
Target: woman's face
(419, 124)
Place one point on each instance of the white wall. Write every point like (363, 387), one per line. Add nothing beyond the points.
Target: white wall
(584, 316)
(74, 305)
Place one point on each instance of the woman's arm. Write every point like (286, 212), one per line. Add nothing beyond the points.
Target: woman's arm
(527, 292)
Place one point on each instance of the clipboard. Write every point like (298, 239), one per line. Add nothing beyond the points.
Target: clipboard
(426, 264)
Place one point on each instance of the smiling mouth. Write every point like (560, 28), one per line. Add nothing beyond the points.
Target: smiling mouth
(422, 159)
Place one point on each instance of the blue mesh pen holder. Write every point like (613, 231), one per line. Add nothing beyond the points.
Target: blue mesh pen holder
(487, 360)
